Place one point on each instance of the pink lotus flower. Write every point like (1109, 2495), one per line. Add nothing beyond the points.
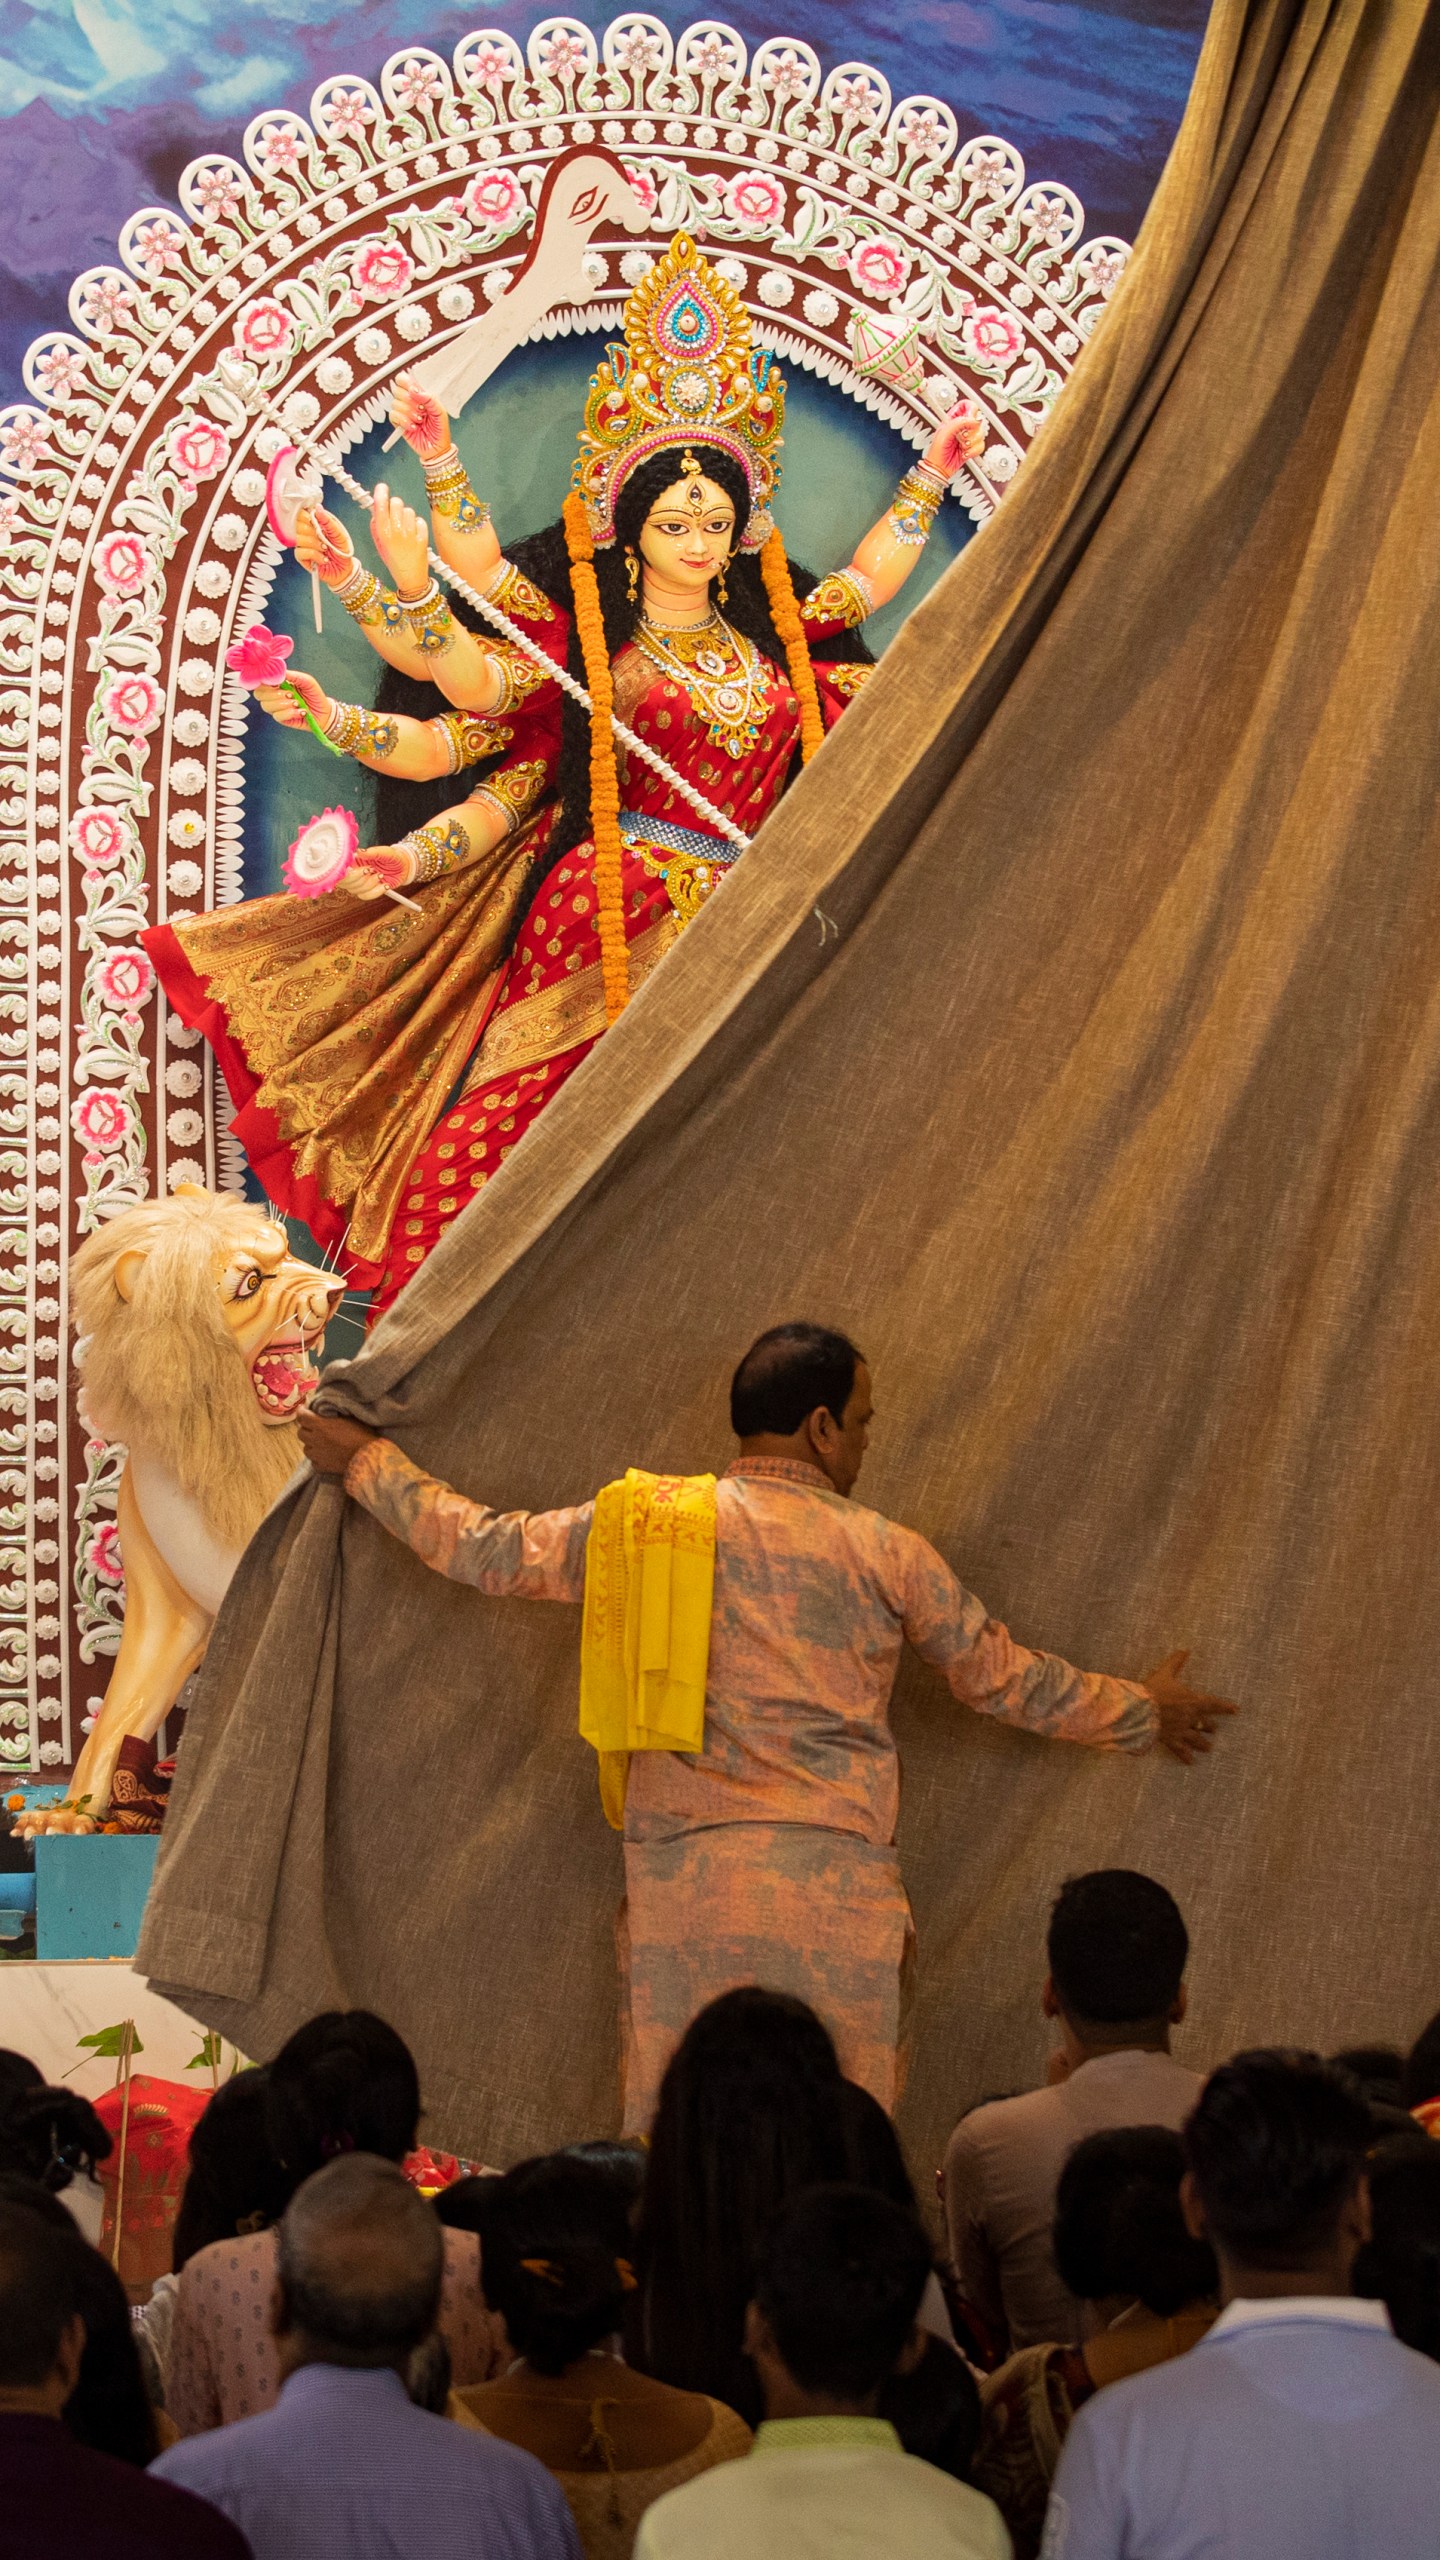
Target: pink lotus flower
(133, 703)
(122, 564)
(258, 656)
(263, 329)
(384, 270)
(322, 853)
(755, 200)
(879, 267)
(101, 1121)
(102, 1553)
(198, 449)
(97, 839)
(494, 197)
(992, 339)
(125, 978)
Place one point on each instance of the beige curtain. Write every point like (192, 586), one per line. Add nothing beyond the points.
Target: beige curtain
(1072, 1036)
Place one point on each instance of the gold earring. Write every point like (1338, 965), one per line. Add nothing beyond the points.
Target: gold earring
(722, 591)
(632, 575)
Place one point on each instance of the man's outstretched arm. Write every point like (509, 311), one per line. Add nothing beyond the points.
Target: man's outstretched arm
(523, 1555)
(1040, 1691)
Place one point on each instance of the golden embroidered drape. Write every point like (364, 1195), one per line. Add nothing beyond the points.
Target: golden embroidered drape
(1108, 1121)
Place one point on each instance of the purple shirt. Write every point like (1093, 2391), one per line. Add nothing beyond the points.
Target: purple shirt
(1298, 2429)
(58, 2500)
(345, 2468)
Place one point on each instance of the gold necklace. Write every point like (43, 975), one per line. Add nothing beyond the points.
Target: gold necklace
(722, 672)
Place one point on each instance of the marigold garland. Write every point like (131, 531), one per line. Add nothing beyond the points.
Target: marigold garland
(604, 773)
(785, 614)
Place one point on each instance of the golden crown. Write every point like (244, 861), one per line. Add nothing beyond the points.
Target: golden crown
(687, 371)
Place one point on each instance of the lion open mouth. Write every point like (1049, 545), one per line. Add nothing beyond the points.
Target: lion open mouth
(283, 1375)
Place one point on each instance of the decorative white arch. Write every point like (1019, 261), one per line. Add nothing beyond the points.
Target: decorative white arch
(869, 245)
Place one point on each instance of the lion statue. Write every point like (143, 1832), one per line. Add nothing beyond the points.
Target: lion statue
(196, 1329)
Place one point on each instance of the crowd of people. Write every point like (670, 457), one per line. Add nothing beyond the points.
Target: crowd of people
(1164, 2314)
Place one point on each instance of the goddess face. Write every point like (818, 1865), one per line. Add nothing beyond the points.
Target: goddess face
(688, 535)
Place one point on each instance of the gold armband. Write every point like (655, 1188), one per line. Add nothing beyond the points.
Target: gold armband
(470, 736)
(846, 597)
(519, 678)
(916, 504)
(361, 733)
(518, 595)
(514, 791)
(436, 848)
(447, 485)
(364, 599)
(431, 623)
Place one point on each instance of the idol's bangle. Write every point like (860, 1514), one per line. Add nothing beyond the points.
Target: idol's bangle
(447, 485)
(362, 595)
(916, 504)
(431, 622)
(361, 733)
(434, 849)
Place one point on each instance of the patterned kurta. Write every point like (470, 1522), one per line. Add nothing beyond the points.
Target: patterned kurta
(770, 1856)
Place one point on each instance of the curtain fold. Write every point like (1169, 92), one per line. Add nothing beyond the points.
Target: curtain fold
(1071, 1035)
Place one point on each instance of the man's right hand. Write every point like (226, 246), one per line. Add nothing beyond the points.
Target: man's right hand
(330, 1441)
(1187, 1716)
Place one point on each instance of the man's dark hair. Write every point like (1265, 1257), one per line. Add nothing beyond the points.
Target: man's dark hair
(109, 2408)
(1276, 2145)
(1119, 2230)
(1117, 1948)
(361, 2262)
(557, 2258)
(1421, 2079)
(345, 2081)
(39, 2294)
(789, 1373)
(1399, 2264)
(840, 2285)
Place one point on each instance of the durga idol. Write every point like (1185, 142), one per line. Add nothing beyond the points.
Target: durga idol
(385, 1060)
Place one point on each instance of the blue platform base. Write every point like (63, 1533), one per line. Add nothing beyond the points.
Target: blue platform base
(90, 1893)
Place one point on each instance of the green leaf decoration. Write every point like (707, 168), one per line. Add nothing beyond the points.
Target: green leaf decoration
(209, 2056)
(109, 2044)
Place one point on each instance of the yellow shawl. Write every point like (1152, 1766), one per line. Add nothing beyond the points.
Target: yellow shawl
(645, 1633)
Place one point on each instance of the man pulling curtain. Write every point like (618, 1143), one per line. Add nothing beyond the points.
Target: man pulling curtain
(764, 1849)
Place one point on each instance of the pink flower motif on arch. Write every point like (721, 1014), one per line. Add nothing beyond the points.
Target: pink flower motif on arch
(992, 339)
(217, 194)
(133, 702)
(384, 271)
(102, 1554)
(279, 148)
(264, 328)
(58, 371)
(755, 200)
(565, 57)
(97, 839)
(102, 1122)
(880, 267)
(347, 113)
(490, 66)
(106, 302)
(258, 656)
(159, 246)
(643, 185)
(22, 442)
(494, 197)
(122, 564)
(419, 84)
(198, 449)
(126, 980)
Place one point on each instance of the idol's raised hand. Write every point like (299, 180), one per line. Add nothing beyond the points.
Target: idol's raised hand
(323, 545)
(379, 868)
(957, 441)
(403, 541)
(280, 702)
(419, 419)
(1187, 1716)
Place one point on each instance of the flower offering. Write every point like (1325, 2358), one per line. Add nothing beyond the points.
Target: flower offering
(322, 853)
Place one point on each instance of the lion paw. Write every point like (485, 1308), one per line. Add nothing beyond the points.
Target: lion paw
(50, 1818)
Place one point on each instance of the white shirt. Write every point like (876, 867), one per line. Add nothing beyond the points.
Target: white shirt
(824, 2489)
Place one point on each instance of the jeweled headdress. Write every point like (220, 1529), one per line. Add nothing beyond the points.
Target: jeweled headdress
(688, 370)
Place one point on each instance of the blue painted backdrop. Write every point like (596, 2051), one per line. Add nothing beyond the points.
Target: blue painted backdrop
(102, 102)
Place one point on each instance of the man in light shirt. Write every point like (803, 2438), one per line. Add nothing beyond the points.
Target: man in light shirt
(1299, 2428)
(834, 2316)
(1117, 1950)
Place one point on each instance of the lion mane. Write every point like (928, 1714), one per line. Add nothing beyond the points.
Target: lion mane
(160, 1370)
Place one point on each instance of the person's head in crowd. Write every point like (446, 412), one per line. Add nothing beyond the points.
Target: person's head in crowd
(1117, 1949)
(835, 2304)
(1275, 2174)
(935, 2409)
(1120, 2237)
(623, 2163)
(557, 2263)
(873, 2157)
(18, 2077)
(51, 2136)
(42, 2333)
(1420, 2084)
(106, 2405)
(1379, 2068)
(802, 1392)
(345, 2081)
(751, 2110)
(360, 2266)
(1399, 2264)
(465, 2203)
(233, 2182)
